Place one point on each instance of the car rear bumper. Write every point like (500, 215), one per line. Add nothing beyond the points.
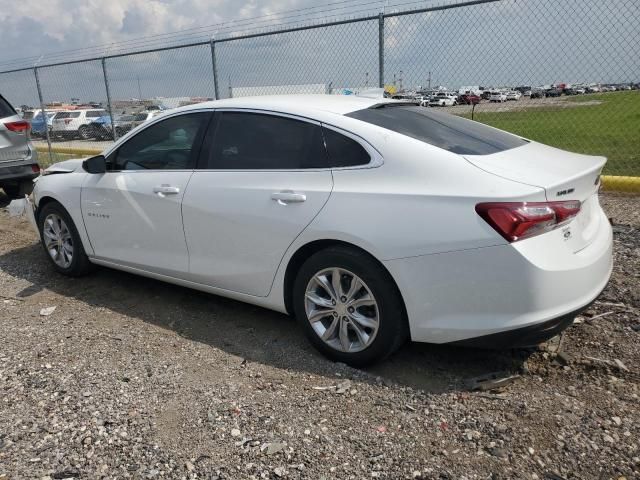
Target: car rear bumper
(457, 296)
(17, 173)
(528, 336)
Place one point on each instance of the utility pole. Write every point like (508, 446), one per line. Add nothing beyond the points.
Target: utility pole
(230, 90)
(366, 82)
(429, 81)
(401, 80)
(139, 89)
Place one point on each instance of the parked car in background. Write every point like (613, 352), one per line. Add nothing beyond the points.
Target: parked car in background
(75, 123)
(497, 96)
(527, 93)
(443, 99)
(513, 95)
(142, 117)
(469, 99)
(553, 92)
(277, 201)
(39, 125)
(102, 129)
(593, 89)
(485, 95)
(18, 158)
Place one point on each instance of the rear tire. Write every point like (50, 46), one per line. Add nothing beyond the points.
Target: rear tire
(84, 132)
(364, 324)
(61, 241)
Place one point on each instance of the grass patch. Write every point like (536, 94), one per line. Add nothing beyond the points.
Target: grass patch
(611, 128)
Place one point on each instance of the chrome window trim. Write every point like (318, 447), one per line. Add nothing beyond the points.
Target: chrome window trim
(375, 156)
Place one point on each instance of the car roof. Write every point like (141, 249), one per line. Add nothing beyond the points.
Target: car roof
(296, 104)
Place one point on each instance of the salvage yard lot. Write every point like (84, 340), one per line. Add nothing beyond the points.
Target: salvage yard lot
(599, 124)
(133, 378)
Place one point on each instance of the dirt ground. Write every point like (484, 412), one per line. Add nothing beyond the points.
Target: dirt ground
(133, 378)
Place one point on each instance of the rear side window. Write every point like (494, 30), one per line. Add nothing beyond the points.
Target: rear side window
(96, 113)
(6, 110)
(67, 115)
(449, 132)
(255, 141)
(344, 151)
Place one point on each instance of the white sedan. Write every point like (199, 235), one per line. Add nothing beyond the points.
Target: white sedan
(370, 220)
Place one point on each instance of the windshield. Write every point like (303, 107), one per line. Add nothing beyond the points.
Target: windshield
(449, 132)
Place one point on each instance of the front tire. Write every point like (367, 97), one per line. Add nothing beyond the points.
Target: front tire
(61, 241)
(349, 306)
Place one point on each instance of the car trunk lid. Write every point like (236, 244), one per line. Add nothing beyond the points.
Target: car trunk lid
(563, 175)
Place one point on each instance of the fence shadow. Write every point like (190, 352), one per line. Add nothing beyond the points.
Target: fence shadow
(250, 332)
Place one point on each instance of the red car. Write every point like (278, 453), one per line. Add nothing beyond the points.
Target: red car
(470, 99)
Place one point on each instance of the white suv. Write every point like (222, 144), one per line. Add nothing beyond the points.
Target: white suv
(72, 123)
(498, 97)
(443, 99)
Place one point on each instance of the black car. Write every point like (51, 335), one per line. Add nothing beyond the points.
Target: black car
(554, 92)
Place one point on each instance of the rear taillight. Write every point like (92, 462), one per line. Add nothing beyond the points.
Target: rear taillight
(518, 220)
(35, 168)
(21, 126)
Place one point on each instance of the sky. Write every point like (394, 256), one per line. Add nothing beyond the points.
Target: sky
(511, 42)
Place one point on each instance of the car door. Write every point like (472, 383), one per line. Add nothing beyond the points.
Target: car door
(132, 212)
(263, 177)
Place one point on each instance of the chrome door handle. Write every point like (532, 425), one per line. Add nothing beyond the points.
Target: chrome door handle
(287, 196)
(163, 190)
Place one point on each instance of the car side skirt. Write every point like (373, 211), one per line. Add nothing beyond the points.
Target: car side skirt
(266, 302)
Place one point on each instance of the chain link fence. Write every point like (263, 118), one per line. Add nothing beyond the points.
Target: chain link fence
(562, 73)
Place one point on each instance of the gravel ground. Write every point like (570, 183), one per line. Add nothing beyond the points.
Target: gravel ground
(133, 378)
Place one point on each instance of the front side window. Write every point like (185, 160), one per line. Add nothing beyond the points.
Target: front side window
(255, 141)
(170, 144)
(96, 113)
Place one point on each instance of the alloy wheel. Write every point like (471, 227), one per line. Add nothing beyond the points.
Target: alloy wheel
(342, 310)
(58, 240)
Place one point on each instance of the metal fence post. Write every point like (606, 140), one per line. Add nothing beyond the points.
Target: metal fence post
(114, 133)
(215, 68)
(381, 50)
(43, 113)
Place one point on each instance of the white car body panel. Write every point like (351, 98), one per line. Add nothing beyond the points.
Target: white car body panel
(412, 209)
(237, 233)
(129, 223)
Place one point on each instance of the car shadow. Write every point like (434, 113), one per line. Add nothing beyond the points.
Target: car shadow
(249, 332)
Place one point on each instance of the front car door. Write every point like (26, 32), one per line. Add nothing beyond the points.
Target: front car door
(132, 212)
(263, 179)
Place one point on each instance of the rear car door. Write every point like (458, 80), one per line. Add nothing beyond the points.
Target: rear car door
(262, 179)
(133, 211)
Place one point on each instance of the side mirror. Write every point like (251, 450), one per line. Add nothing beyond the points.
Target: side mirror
(97, 164)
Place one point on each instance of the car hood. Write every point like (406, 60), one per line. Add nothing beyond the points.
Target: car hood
(68, 166)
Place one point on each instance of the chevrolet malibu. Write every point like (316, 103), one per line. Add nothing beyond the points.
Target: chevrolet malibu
(372, 221)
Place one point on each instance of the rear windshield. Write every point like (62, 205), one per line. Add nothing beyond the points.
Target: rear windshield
(449, 132)
(6, 110)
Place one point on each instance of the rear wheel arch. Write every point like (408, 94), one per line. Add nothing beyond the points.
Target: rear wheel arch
(306, 251)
